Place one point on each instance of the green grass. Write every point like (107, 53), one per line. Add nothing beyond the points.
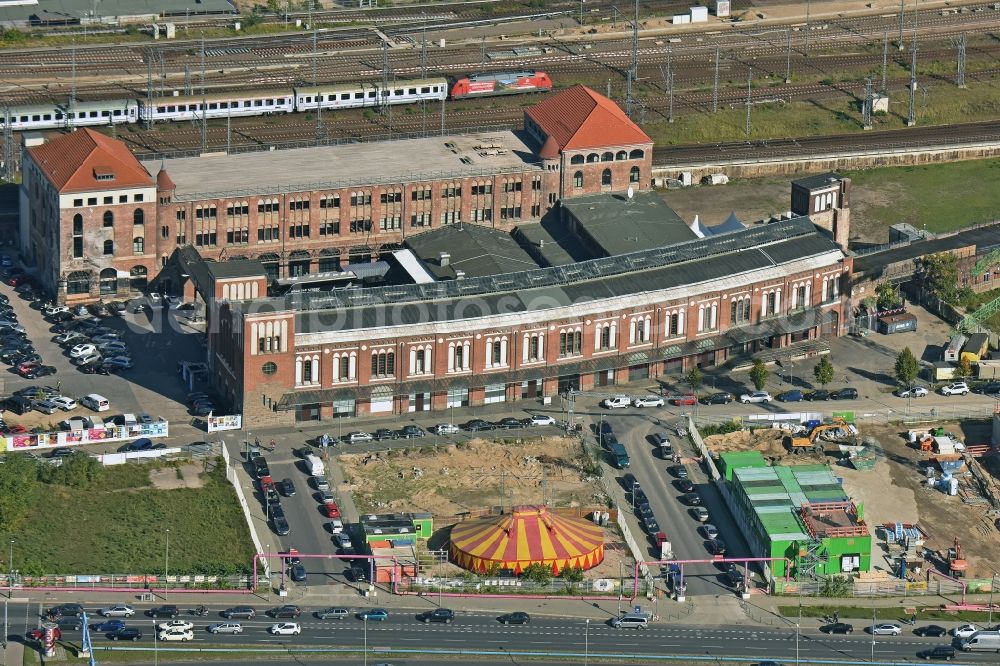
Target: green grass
(942, 197)
(884, 613)
(121, 527)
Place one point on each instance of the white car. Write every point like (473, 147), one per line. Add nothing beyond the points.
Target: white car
(336, 526)
(179, 625)
(68, 336)
(92, 357)
(955, 388)
(964, 631)
(887, 629)
(64, 403)
(118, 610)
(286, 629)
(912, 392)
(359, 436)
(616, 402)
(542, 420)
(176, 635)
(756, 396)
(44, 406)
(54, 309)
(82, 350)
(116, 347)
(648, 401)
(445, 429)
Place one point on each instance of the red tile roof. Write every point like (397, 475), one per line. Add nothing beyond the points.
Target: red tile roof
(72, 161)
(163, 181)
(581, 118)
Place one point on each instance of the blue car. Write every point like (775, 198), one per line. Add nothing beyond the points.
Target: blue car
(109, 626)
(795, 395)
(142, 444)
(374, 614)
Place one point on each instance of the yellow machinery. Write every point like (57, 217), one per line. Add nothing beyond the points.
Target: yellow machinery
(810, 442)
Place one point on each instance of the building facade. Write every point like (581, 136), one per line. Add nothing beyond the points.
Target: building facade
(97, 223)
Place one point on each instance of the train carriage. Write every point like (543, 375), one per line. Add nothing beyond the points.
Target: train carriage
(219, 105)
(500, 83)
(79, 114)
(360, 95)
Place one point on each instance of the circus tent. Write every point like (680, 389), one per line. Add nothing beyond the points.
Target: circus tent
(528, 535)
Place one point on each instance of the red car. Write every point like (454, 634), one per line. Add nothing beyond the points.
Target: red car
(15, 429)
(37, 634)
(332, 510)
(689, 399)
(17, 280)
(25, 368)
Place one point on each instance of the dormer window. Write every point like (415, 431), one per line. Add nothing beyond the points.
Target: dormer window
(103, 174)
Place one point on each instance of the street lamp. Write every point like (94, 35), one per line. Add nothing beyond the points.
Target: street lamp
(993, 580)
(10, 571)
(586, 642)
(166, 566)
(798, 626)
(366, 638)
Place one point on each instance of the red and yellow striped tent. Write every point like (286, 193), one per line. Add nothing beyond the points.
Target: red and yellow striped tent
(528, 535)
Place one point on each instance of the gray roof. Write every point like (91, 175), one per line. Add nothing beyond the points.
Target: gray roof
(818, 181)
(697, 261)
(234, 268)
(72, 11)
(476, 250)
(984, 238)
(551, 244)
(619, 226)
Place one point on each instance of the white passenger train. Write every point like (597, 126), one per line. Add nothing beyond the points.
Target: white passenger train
(235, 104)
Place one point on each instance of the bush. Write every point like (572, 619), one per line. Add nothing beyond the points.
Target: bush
(537, 573)
(720, 428)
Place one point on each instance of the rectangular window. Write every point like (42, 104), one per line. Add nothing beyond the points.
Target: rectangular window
(329, 229)
(122, 198)
(361, 226)
(136, 198)
(91, 201)
(109, 200)
(78, 202)
(137, 245)
(330, 202)
(391, 197)
(390, 223)
(181, 214)
(77, 247)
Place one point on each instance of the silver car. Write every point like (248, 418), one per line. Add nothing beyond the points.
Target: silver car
(225, 628)
(118, 610)
(710, 531)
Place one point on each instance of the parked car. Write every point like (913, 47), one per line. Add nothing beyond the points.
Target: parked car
(542, 420)
(475, 425)
(964, 631)
(837, 628)
(686, 399)
(39, 371)
(887, 629)
(509, 423)
(912, 392)
(711, 531)
(955, 388)
(991, 388)
(44, 406)
(845, 394)
(517, 617)
(411, 431)
(225, 628)
(648, 401)
(616, 402)
(118, 610)
(685, 485)
(285, 629)
(84, 349)
(358, 436)
(717, 547)
(700, 513)
(717, 399)
(64, 403)
(756, 396)
(385, 433)
(331, 509)
(795, 395)
(123, 362)
(814, 396)
(332, 614)
(286, 487)
(88, 359)
(445, 429)
(442, 615)
(61, 452)
(342, 540)
(680, 471)
(691, 499)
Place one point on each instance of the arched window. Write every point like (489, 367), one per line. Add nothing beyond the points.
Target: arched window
(138, 217)
(576, 159)
(77, 224)
(109, 218)
(606, 177)
(607, 157)
(622, 155)
(109, 281)
(593, 157)
(633, 175)
(137, 277)
(578, 179)
(78, 282)
(637, 154)
(109, 247)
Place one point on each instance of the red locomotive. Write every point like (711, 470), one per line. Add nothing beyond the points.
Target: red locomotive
(502, 83)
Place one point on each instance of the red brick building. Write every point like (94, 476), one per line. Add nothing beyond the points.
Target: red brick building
(308, 210)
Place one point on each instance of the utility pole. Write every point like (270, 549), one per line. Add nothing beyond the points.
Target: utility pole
(187, 80)
(149, 88)
(902, 19)
(788, 57)
(442, 116)
(423, 49)
(715, 84)
(885, 61)
(961, 61)
(634, 72)
(749, 82)
(482, 52)
(866, 112)
(808, 27)
(911, 118)
(229, 130)
(668, 79)
(8, 147)
(320, 130)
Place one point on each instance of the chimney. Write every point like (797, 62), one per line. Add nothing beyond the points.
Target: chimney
(445, 259)
(459, 274)
(541, 242)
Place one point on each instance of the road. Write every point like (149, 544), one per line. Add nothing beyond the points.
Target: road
(481, 632)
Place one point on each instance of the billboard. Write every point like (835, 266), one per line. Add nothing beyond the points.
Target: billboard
(227, 422)
(107, 433)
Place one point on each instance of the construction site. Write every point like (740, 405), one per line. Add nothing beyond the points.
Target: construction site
(904, 499)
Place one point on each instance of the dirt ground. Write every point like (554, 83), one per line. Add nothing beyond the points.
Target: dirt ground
(906, 498)
(447, 481)
(171, 478)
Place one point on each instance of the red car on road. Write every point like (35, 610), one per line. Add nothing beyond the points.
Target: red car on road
(689, 399)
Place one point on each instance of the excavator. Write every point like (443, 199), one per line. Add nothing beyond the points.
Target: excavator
(810, 443)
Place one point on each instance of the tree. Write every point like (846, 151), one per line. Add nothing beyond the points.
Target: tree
(758, 374)
(907, 367)
(694, 378)
(823, 371)
(537, 572)
(79, 470)
(941, 276)
(964, 367)
(18, 489)
(886, 296)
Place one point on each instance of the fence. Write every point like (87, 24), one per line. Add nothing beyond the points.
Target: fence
(889, 588)
(485, 585)
(127, 582)
(874, 416)
(234, 480)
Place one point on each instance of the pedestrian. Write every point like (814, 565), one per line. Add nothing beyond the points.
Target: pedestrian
(59, 386)
(836, 617)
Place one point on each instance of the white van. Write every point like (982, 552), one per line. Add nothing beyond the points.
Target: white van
(98, 403)
(630, 622)
(616, 402)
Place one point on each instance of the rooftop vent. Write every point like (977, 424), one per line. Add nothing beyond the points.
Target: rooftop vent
(444, 259)
(459, 274)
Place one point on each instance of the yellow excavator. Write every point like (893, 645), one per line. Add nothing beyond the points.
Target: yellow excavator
(810, 443)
